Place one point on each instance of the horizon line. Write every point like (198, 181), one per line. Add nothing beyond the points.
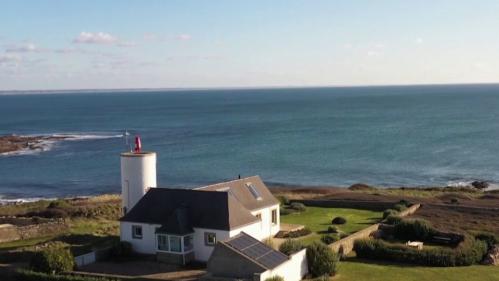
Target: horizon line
(49, 91)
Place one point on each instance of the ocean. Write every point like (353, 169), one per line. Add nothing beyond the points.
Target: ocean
(383, 136)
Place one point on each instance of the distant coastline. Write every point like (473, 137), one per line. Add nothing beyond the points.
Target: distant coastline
(11, 144)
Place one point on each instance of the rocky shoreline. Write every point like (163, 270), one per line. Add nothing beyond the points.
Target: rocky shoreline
(14, 143)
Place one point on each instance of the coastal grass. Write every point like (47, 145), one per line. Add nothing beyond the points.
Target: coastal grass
(318, 219)
(359, 270)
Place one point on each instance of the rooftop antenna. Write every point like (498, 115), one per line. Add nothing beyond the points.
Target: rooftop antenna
(138, 144)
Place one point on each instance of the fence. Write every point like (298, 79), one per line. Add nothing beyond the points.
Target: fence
(93, 256)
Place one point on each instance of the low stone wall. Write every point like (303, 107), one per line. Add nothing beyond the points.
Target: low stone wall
(345, 245)
(9, 232)
(353, 204)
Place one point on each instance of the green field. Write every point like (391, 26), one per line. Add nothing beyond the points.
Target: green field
(365, 271)
(318, 219)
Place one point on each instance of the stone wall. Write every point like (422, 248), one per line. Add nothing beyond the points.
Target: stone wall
(9, 232)
(353, 204)
(345, 245)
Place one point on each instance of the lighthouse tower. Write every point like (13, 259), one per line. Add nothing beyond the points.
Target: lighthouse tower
(138, 174)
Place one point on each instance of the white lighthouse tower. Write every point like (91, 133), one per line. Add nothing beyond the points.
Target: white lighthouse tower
(138, 174)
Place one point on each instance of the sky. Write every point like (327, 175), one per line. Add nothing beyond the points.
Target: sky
(231, 43)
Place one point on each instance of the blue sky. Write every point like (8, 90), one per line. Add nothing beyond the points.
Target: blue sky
(148, 44)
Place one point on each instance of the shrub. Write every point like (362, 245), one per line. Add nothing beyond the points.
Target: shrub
(298, 233)
(275, 278)
(390, 212)
(283, 200)
(488, 238)
(52, 213)
(400, 207)
(361, 187)
(59, 204)
(416, 229)
(321, 260)
(291, 246)
(28, 275)
(300, 207)
(393, 219)
(284, 211)
(52, 260)
(405, 203)
(332, 229)
(454, 201)
(328, 239)
(339, 220)
(469, 252)
(123, 249)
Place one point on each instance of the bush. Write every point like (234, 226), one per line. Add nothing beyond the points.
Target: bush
(300, 207)
(284, 211)
(469, 252)
(123, 249)
(361, 187)
(393, 219)
(405, 203)
(488, 238)
(275, 278)
(454, 201)
(416, 229)
(27, 275)
(298, 233)
(400, 207)
(52, 260)
(328, 239)
(290, 247)
(390, 212)
(339, 220)
(321, 260)
(332, 229)
(59, 204)
(283, 200)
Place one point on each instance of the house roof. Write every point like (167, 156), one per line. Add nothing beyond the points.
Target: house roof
(256, 251)
(212, 210)
(258, 198)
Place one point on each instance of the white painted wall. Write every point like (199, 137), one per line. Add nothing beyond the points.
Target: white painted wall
(138, 174)
(203, 252)
(292, 270)
(146, 245)
(266, 227)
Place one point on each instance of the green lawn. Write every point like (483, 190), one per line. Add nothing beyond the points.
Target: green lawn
(365, 271)
(318, 219)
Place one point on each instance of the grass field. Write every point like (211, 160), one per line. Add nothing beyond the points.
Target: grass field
(365, 271)
(319, 219)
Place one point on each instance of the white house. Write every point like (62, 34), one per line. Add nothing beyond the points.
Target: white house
(181, 225)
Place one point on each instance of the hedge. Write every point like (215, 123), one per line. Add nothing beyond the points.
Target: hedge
(321, 260)
(28, 275)
(52, 260)
(298, 233)
(275, 278)
(470, 251)
(298, 207)
(414, 229)
(329, 238)
(290, 247)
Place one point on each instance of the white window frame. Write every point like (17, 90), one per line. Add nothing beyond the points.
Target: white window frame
(134, 235)
(272, 217)
(206, 239)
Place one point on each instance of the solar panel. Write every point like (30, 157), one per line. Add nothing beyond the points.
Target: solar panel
(257, 250)
(254, 191)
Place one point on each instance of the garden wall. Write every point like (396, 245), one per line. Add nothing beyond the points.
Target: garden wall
(366, 205)
(10, 232)
(345, 245)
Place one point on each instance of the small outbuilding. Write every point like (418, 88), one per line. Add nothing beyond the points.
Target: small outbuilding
(244, 257)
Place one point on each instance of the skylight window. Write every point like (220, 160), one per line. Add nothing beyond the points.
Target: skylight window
(253, 191)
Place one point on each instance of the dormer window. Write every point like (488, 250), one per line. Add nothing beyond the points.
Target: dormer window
(253, 191)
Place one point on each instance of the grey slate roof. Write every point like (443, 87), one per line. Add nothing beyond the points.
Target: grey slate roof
(256, 251)
(240, 190)
(179, 210)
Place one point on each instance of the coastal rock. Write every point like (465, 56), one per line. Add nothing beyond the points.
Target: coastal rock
(492, 257)
(480, 184)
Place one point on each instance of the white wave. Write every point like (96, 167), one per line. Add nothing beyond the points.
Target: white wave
(459, 183)
(77, 137)
(23, 200)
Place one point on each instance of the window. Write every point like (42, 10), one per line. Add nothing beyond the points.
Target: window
(175, 245)
(187, 243)
(259, 216)
(210, 239)
(253, 191)
(274, 216)
(162, 242)
(136, 232)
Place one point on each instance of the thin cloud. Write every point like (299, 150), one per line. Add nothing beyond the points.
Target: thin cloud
(184, 37)
(95, 38)
(24, 48)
